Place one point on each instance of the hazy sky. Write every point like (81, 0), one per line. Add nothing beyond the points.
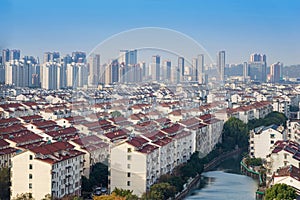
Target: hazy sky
(240, 27)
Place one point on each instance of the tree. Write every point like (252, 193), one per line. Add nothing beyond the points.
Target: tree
(125, 193)
(160, 191)
(253, 161)
(272, 118)
(24, 196)
(280, 191)
(109, 197)
(235, 132)
(115, 114)
(47, 197)
(98, 177)
(4, 183)
(176, 181)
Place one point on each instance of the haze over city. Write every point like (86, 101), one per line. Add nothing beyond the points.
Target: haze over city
(149, 99)
(239, 27)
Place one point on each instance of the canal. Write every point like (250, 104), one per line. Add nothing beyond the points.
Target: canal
(225, 182)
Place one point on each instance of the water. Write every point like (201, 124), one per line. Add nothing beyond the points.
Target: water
(225, 182)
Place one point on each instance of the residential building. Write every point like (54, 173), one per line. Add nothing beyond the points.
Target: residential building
(53, 168)
(134, 165)
(221, 65)
(263, 138)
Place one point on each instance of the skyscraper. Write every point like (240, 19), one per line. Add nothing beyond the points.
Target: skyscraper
(51, 76)
(200, 69)
(128, 59)
(14, 54)
(19, 73)
(275, 72)
(180, 70)
(51, 56)
(5, 56)
(221, 65)
(245, 70)
(155, 68)
(94, 69)
(258, 67)
(115, 71)
(78, 57)
(167, 70)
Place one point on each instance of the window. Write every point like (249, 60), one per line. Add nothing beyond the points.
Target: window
(129, 157)
(30, 185)
(128, 183)
(128, 174)
(272, 135)
(30, 166)
(128, 166)
(30, 176)
(128, 150)
(30, 157)
(272, 141)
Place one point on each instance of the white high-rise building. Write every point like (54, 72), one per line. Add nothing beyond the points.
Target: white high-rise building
(275, 72)
(94, 69)
(19, 73)
(200, 69)
(51, 76)
(221, 65)
(155, 68)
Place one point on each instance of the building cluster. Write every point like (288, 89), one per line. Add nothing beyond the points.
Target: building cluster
(279, 148)
(50, 139)
(60, 117)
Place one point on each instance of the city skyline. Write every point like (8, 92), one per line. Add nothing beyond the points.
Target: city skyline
(238, 27)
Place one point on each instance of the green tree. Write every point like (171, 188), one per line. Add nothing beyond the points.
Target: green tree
(235, 132)
(160, 191)
(176, 181)
(24, 196)
(280, 191)
(98, 177)
(253, 161)
(272, 118)
(47, 197)
(115, 114)
(4, 183)
(128, 194)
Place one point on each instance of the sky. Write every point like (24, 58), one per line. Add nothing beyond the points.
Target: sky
(240, 27)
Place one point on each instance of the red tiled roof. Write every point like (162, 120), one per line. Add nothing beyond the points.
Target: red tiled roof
(173, 129)
(63, 132)
(91, 139)
(31, 118)
(291, 171)
(155, 135)
(119, 134)
(7, 150)
(12, 129)
(46, 123)
(24, 137)
(3, 144)
(137, 142)
(163, 141)
(148, 149)
(9, 121)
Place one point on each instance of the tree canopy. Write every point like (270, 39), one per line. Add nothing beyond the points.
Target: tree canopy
(4, 183)
(160, 191)
(280, 191)
(128, 194)
(98, 177)
(272, 118)
(235, 133)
